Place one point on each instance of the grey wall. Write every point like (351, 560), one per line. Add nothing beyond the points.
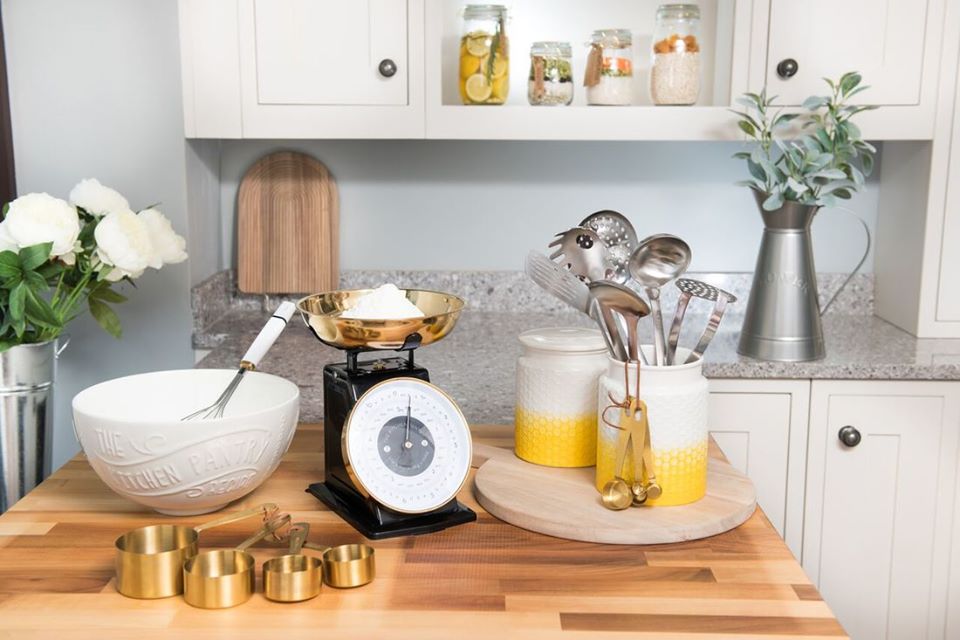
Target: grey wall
(95, 90)
(483, 205)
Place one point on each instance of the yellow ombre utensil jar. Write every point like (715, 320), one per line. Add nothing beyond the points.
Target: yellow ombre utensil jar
(556, 408)
(677, 398)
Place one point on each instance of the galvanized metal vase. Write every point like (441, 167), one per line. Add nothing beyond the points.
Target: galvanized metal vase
(782, 322)
(26, 410)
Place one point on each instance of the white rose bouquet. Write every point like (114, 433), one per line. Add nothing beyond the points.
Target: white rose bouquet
(59, 258)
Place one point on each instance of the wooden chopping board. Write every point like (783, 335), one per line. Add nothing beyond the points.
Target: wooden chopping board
(288, 221)
(564, 502)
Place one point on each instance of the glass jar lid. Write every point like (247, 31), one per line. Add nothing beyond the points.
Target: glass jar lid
(678, 12)
(613, 38)
(481, 11)
(564, 339)
(551, 49)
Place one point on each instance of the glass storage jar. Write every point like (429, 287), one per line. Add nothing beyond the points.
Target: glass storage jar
(556, 411)
(609, 74)
(484, 55)
(677, 399)
(675, 67)
(551, 74)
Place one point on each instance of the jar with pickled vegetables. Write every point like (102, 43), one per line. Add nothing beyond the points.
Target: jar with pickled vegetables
(609, 74)
(484, 55)
(551, 74)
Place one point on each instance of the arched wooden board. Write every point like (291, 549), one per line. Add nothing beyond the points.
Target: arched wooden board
(564, 503)
(287, 226)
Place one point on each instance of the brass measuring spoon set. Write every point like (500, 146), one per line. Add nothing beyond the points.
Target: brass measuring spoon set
(161, 561)
(633, 430)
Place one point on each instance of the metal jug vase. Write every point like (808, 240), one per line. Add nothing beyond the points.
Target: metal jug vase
(782, 321)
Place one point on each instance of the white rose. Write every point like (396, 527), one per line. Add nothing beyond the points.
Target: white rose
(96, 198)
(37, 218)
(123, 242)
(167, 244)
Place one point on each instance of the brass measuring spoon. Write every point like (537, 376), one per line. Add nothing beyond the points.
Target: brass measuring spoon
(149, 560)
(616, 494)
(638, 430)
(346, 566)
(225, 577)
(293, 577)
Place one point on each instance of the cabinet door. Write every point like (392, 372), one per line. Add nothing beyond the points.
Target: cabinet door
(328, 52)
(877, 530)
(882, 40)
(759, 425)
(948, 285)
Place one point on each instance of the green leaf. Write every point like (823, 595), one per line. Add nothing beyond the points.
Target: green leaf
(742, 155)
(9, 265)
(107, 294)
(39, 311)
(34, 256)
(6, 208)
(35, 281)
(784, 119)
(51, 270)
(18, 297)
(747, 128)
(867, 162)
(842, 193)
(105, 317)
(849, 81)
(814, 102)
(773, 202)
(756, 171)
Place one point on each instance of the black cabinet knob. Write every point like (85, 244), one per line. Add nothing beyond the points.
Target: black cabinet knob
(787, 68)
(849, 436)
(387, 68)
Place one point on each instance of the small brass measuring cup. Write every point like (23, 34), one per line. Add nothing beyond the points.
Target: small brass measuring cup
(293, 577)
(149, 560)
(346, 566)
(224, 578)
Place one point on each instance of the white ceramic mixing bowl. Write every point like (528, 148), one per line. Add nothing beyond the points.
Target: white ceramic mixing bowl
(131, 432)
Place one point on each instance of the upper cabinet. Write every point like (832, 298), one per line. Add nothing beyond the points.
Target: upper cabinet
(814, 39)
(392, 68)
(302, 56)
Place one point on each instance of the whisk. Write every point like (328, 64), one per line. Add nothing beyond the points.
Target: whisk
(264, 340)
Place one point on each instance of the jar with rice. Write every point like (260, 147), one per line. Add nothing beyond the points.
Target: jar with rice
(609, 74)
(675, 67)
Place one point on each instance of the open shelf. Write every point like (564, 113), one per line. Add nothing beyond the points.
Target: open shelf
(573, 21)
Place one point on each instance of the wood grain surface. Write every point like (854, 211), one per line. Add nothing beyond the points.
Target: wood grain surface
(565, 503)
(481, 580)
(287, 226)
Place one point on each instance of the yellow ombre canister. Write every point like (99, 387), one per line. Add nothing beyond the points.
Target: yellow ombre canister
(676, 399)
(556, 412)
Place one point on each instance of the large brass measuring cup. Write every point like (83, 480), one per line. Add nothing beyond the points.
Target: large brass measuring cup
(347, 565)
(293, 577)
(225, 577)
(149, 560)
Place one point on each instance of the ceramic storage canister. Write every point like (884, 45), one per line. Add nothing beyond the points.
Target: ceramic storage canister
(556, 412)
(676, 399)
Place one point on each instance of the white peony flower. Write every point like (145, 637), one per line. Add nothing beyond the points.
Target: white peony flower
(96, 198)
(37, 218)
(123, 242)
(168, 246)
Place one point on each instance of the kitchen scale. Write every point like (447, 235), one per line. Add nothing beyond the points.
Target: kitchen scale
(397, 449)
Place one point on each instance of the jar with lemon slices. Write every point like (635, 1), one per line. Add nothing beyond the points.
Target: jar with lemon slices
(484, 55)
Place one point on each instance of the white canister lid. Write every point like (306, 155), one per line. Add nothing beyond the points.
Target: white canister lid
(564, 339)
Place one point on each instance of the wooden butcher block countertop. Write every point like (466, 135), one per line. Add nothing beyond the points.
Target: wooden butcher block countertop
(485, 579)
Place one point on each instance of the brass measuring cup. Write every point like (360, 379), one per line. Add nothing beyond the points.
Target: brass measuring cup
(346, 566)
(149, 560)
(224, 578)
(293, 577)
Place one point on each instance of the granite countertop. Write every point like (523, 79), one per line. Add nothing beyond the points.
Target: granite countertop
(476, 363)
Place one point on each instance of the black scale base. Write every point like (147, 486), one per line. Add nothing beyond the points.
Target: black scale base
(343, 384)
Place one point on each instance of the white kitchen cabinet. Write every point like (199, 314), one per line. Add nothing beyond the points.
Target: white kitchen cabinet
(761, 426)
(878, 517)
(302, 68)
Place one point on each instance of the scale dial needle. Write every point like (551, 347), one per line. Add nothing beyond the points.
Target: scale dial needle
(406, 430)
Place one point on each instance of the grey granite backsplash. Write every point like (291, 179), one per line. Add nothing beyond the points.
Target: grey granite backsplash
(496, 291)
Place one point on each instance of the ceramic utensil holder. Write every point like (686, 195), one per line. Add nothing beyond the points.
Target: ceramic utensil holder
(676, 399)
(556, 411)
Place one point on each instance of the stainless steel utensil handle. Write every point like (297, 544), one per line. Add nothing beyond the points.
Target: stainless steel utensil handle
(675, 326)
(608, 327)
(715, 317)
(653, 293)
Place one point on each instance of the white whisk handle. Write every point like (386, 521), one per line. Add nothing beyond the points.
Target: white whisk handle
(268, 335)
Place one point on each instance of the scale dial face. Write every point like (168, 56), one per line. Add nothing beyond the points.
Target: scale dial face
(407, 445)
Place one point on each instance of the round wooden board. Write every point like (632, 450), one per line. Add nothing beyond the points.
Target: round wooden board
(565, 504)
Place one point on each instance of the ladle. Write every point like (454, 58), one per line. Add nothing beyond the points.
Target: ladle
(658, 260)
(617, 298)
